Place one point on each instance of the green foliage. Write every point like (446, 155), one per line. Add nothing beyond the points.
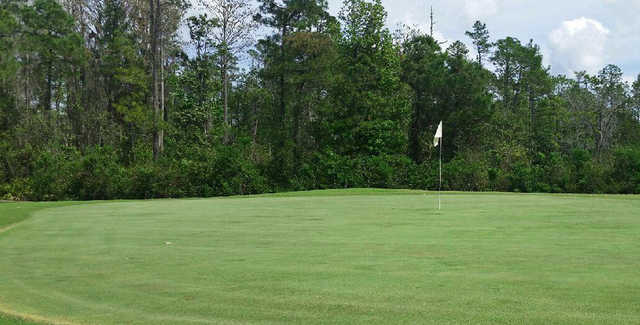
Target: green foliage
(626, 170)
(587, 175)
(9, 66)
(467, 172)
(98, 175)
(17, 189)
(371, 104)
(201, 172)
(196, 107)
(480, 38)
(324, 102)
(51, 176)
(49, 41)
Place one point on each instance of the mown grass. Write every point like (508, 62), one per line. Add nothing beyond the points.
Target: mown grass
(11, 214)
(11, 320)
(352, 256)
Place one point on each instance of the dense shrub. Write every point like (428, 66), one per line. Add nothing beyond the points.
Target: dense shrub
(423, 176)
(332, 170)
(231, 173)
(588, 175)
(466, 173)
(211, 172)
(626, 170)
(98, 176)
(143, 180)
(18, 189)
(51, 176)
(220, 170)
(336, 171)
(551, 173)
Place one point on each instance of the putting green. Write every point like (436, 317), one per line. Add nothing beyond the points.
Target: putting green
(357, 256)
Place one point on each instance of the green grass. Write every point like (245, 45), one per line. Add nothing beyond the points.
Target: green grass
(355, 256)
(11, 214)
(11, 320)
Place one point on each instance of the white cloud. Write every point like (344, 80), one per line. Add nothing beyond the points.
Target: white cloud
(411, 21)
(631, 2)
(579, 44)
(630, 79)
(442, 39)
(547, 54)
(528, 19)
(477, 9)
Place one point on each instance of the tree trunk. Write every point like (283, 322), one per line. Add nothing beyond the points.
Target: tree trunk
(283, 110)
(225, 76)
(532, 116)
(255, 132)
(225, 99)
(163, 115)
(154, 25)
(48, 94)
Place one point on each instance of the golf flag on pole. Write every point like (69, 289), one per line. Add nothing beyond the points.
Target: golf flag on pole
(438, 136)
(437, 139)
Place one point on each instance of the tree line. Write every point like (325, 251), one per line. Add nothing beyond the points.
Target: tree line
(103, 99)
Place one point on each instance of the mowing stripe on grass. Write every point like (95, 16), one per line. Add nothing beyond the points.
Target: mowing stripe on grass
(12, 214)
(331, 257)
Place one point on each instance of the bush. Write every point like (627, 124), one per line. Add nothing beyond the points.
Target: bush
(466, 174)
(377, 171)
(199, 170)
(18, 189)
(50, 179)
(587, 175)
(626, 170)
(423, 176)
(553, 174)
(142, 180)
(98, 176)
(337, 171)
(332, 170)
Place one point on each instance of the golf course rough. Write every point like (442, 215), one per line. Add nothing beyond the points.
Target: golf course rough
(346, 256)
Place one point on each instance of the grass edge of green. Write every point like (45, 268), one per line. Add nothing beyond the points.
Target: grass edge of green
(7, 316)
(14, 318)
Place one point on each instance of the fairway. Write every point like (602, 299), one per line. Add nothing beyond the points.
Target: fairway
(344, 256)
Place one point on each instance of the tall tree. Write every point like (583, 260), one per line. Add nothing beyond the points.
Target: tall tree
(9, 66)
(291, 19)
(611, 92)
(520, 77)
(232, 36)
(371, 101)
(446, 86)
(313, 55)
(120, 67)
(466, 101)
(596, 104)
(286, 17)
(480, 38)
(424, 71)
(194, 96)
(155, 58)
(628, 134)
(53, 46)
(635, 95)
(160, 15)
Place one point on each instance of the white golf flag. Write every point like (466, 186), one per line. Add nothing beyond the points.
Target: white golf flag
(438, 135)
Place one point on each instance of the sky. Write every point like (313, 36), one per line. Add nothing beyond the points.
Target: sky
(573, 35)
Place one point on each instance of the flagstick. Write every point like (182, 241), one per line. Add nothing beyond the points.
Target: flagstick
(440, 184)
(438, 141)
